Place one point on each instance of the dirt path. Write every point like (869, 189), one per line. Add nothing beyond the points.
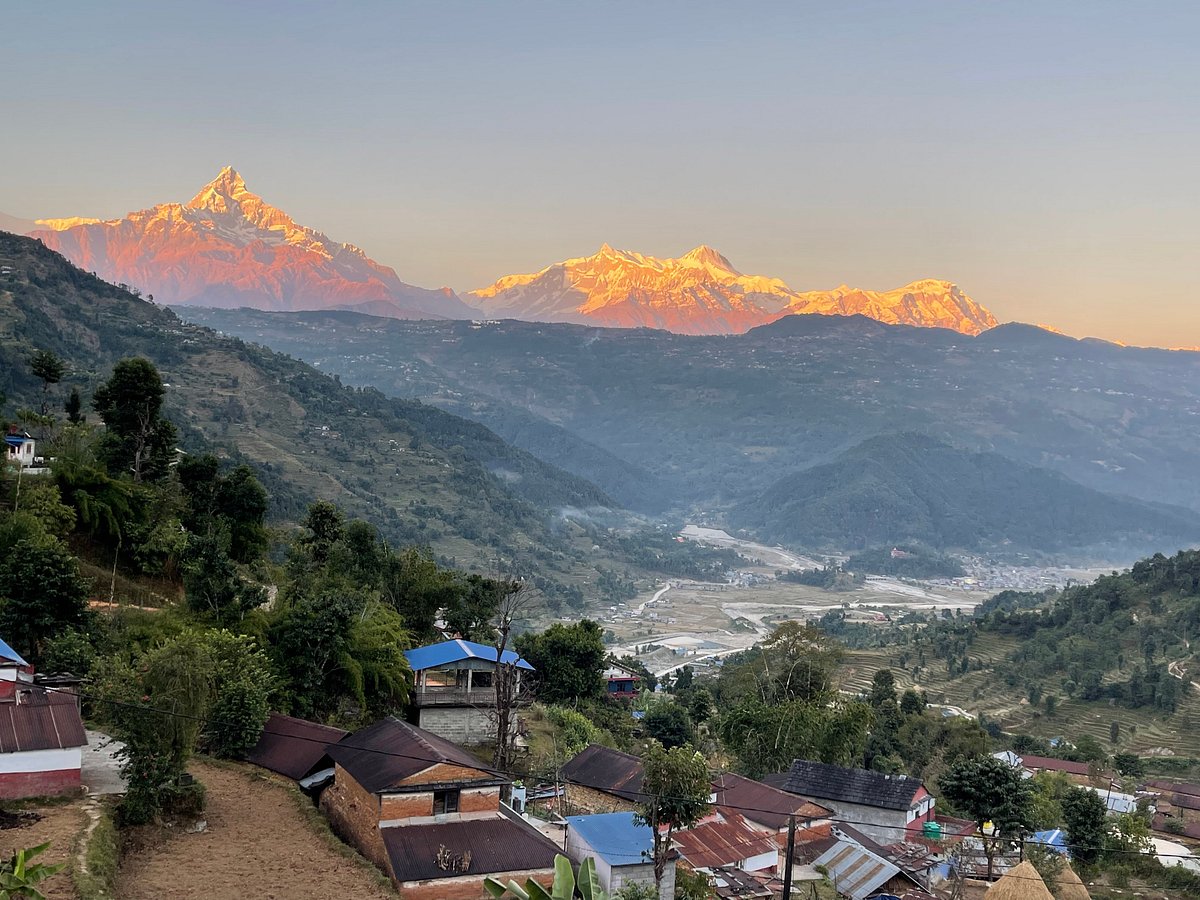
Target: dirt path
(257, 844)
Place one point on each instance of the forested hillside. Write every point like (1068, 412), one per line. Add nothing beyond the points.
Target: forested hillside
(421, 475)
(909, 487)
(718, 420)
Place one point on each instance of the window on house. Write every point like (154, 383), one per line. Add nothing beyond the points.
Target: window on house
(445, 802)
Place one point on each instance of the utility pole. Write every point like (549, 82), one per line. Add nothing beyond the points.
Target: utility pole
(791, 853)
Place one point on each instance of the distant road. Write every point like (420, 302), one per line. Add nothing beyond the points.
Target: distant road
(657, 595)
(695, 659)
(770, 556)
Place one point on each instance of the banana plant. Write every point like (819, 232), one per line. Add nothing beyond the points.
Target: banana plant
(18, 876)
(564, 887)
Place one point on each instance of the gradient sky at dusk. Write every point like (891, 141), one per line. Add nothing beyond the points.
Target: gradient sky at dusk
(1044, 156)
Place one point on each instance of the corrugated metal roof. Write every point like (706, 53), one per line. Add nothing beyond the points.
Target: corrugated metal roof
(726, 843)
(293, 747)
(825, 781)
(763, 803)
(41, 721)
(9, 655)
(608, 770)
(389, 751)
(1175, 787)
(434, 655)
(855, 871)
(615, 838)
(465, 847)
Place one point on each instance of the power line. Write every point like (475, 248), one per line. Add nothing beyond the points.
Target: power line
(557, 776)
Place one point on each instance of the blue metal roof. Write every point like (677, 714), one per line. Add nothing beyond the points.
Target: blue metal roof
(456, 651)
(614, 837)
(8, 654)
(1054, 839)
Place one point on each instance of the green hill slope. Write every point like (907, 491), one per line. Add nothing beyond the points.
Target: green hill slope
(910, 487)
(422, 475)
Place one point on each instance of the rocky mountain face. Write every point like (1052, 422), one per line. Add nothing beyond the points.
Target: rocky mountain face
(227, 247)
(702, 293)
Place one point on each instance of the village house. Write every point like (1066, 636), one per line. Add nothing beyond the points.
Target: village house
(41, 734)
(429, 814)
(19, 447)
(602, 780)
(764, 808)
(295, 748)
(455, 692)
(623, 851)
(859, 868)
(726, 840)
(621, 682)
(884, 807)
(1178, 801)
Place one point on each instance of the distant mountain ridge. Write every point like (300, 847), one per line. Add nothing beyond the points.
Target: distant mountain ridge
(905, 487)
(702, 293)
(227, 247)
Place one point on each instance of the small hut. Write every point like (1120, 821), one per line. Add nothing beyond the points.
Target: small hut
(1069, 887)
(1021, 882)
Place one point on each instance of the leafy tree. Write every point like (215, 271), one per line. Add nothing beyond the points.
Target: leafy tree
(49, 369)
(73, 407)
(41, 594)
(1084, 819)
(767, 737)
(677, 787)
(568, 659)
(1129, 764)
(1088, 749)
(669, 724)
(883, 688)
(138, 440)
(471, 610)
(986, 789)
(564, 887)
(573, 731)
(41, 499)
(413, 584)
(212, 585)
(912, 703)
(325, 524)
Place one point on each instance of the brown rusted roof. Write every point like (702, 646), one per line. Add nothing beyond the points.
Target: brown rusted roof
(607, 770)
(293, 747)
(1174, 787)
(722, 843)
(40, 721)
(1191, 830)
(466, 847)
(389, 751)
(762, 803)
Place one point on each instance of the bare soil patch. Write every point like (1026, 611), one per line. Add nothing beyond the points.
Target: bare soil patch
(257, 844)
(58, 823)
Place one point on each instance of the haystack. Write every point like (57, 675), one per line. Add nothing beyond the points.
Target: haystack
(1019, 883)
(1069, 887)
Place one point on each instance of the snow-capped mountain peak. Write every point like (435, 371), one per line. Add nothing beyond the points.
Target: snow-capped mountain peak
(702, 293)
(228, 247)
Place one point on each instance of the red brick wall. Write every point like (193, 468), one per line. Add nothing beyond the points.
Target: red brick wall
(15, 785)
(443, 773)
(405, 806)
(480, 800)
(354, 816)
(467, 887)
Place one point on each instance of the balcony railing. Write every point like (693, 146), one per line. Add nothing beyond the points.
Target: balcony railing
(455, 697)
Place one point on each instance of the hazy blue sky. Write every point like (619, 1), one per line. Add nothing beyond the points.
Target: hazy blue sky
(1042, 155)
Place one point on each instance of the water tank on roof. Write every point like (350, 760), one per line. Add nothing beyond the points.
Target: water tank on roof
(932, 830)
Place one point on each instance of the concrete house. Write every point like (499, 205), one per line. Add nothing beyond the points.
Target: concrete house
(454, 695)
(623, 851)
(886, 808)
(621, 682)
(429, 814)
(41, 734)
(19, 447)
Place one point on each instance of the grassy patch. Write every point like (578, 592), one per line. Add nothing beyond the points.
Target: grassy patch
(100, 853)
